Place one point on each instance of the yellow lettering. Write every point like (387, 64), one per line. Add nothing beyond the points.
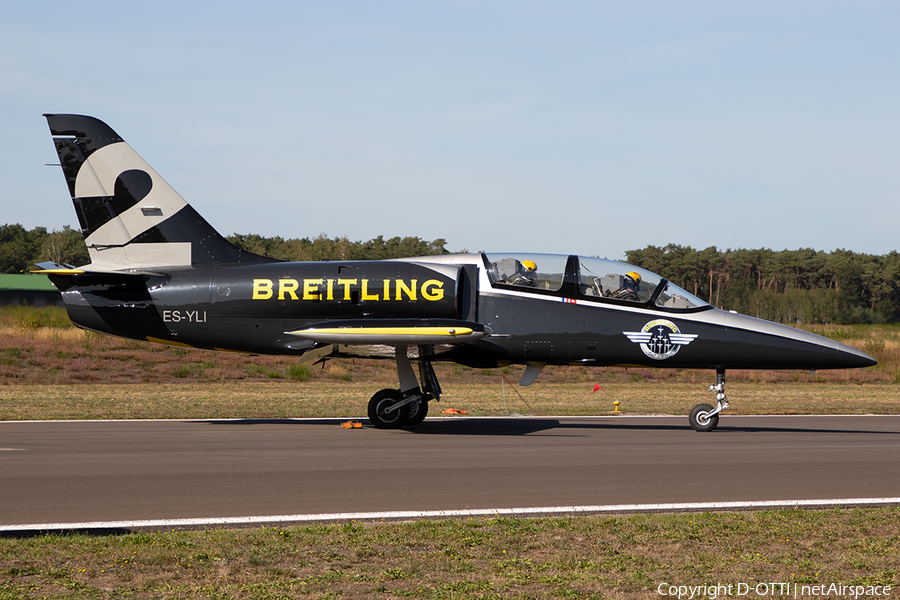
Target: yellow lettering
(262, 289)
(288, 286)
(288, 289)
(410, 291)
(365, 291)
(311, 289)
(437, 294)
(346, 283)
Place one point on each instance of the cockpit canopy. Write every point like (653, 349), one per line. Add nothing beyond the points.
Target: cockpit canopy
(587, 278)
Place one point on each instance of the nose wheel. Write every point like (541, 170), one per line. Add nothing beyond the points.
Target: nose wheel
(705, 417)
(702, 418)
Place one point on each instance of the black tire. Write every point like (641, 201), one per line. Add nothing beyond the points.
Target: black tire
(382, 400)
(417, 413)
(699, 419)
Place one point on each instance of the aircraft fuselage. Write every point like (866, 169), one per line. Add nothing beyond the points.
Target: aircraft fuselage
(252, 308)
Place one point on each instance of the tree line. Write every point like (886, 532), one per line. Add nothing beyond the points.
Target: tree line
(338, 248)
(787, 286)
(21, 249)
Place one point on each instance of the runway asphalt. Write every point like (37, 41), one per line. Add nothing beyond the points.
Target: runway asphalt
(128, 471)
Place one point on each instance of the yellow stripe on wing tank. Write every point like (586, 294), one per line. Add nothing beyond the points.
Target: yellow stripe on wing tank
(375, 331)
(154, 340)
(390, 334)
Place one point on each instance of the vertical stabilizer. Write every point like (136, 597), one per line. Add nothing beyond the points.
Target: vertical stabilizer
(131, 218)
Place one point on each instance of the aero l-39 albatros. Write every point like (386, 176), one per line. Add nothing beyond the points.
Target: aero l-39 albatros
(160, 273)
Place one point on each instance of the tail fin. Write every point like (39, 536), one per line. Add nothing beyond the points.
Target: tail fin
(131, 218)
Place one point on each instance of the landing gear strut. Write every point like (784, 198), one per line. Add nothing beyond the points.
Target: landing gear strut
(408, 406)
(704, 417)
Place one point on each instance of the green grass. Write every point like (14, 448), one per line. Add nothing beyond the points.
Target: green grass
(29, 317)
(300, 372)
(559, 557)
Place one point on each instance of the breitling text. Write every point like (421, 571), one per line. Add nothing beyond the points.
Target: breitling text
(348, 289)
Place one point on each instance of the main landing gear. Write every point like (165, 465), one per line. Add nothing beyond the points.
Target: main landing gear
(407, 406)
(704, 417)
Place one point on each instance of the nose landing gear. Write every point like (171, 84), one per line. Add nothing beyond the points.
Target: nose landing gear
(705, 417)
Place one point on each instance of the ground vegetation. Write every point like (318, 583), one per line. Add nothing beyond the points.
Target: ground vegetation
(50, 369)
(595, 557)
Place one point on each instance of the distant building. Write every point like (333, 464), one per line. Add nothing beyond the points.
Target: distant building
(28, 290)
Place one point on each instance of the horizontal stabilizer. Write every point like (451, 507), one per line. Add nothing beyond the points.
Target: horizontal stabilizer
(65, 277)
(392, 331)
(52, 268)
(59, 272)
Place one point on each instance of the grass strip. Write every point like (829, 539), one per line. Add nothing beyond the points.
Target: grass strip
(560, 557)
(492, 396)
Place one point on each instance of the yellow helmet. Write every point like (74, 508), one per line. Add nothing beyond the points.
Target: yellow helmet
(528, 264)
(632, 281)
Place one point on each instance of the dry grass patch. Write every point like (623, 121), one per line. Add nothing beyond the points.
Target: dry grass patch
(284, 398)
(60, 372)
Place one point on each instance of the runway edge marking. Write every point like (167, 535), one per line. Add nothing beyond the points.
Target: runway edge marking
(430, 514)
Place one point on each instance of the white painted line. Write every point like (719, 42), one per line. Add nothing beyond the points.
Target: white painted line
(608, 415)
(431, 514)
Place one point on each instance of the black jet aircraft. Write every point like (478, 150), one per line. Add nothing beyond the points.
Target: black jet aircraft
(160, 273)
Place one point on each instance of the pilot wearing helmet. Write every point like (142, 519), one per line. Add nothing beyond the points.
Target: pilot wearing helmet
(526, 274)
(630, 288)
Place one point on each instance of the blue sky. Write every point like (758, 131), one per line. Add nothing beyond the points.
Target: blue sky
(566, 127)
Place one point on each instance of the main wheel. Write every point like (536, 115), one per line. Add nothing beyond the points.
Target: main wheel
(701, 420)
(378, 405)
(417, 413)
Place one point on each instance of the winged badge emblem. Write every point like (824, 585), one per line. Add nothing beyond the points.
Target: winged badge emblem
(660, 339)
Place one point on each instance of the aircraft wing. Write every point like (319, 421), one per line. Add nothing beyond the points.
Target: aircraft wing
(392, 332)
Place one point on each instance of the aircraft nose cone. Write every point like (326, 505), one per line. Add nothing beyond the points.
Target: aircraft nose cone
(855, 358)
(766, 345)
